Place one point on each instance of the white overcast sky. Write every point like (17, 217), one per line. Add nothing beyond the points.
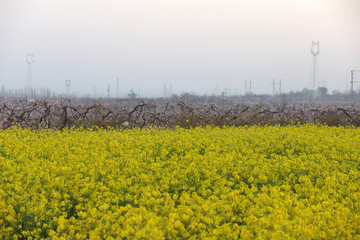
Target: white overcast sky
(193, 45)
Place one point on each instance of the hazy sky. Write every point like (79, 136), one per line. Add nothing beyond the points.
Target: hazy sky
(193, 45)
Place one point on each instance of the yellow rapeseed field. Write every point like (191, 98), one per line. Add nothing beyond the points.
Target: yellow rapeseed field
(292, 182)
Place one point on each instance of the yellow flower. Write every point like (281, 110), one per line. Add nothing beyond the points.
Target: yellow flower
(218, 183)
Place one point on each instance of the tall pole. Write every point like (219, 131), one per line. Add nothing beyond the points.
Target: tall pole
(276, 87)
(109, 97)
(352, 84)
(315, 51)
(30, 89)
(273, 87)
(245, 88)
(67, 83)
(117, 88)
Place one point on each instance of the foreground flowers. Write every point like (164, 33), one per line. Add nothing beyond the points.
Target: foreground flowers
(250, 182)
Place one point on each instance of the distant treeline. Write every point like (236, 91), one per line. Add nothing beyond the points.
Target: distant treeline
(304, 96)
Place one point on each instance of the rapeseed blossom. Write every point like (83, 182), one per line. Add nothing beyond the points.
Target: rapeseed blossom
(292, 182)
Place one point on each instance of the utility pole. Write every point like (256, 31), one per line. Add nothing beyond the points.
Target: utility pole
(108, 91)
(245, 92)
(352, 84)
(248, 89)
(117, 88)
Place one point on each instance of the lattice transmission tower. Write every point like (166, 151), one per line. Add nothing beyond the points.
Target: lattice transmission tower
(30, 88)
(314, 74)
(276, 87)
(67, 83)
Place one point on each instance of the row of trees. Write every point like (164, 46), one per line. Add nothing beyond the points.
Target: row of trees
(43, 93)
(321, 94)
(66, 113)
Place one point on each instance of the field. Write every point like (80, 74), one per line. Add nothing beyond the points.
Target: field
(258, 182)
